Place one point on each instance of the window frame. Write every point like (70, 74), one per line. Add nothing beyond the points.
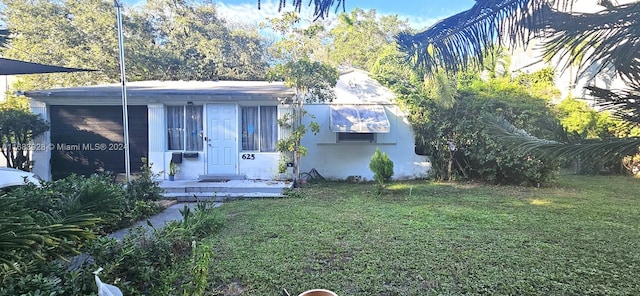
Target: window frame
(371, 139)
(259, 114)
(185, 128)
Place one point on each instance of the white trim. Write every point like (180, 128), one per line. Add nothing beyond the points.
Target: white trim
(41, 157)
(157, 127)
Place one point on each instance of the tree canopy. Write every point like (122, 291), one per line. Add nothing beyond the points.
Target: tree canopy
(607, 37)
(164, 40)
(18, 127)
(360, 37)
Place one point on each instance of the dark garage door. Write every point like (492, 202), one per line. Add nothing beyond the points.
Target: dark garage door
(89, 139)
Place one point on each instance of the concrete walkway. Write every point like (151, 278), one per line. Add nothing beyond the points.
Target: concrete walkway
(171, 213)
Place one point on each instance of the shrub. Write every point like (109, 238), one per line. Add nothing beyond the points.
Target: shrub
(150, 261)
(381, 166)
(143, 263)
(141, 192)
(459, 145)
(144, 186)
(583, 122)
(47, 285)
(41, 224)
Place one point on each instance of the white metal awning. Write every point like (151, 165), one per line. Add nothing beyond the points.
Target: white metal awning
(359, 119)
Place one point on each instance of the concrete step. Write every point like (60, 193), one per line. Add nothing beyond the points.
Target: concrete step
(192, 190)
(219, 197)
(217, 177)
(223, 189)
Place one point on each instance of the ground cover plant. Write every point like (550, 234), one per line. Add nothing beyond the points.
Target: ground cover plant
(578, 237)
(43, 228)
(165, 261)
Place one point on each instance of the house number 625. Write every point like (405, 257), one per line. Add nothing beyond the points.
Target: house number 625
(249, 156)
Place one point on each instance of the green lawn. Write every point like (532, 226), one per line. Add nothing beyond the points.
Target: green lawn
(578, 237)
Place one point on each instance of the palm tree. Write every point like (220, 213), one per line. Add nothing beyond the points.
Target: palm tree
(589, 40)
(458, 40)
(604, 39)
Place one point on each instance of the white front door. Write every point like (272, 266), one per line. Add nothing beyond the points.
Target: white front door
(222, 147)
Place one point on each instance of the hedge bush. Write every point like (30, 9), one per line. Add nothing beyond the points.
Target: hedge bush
(459, 145)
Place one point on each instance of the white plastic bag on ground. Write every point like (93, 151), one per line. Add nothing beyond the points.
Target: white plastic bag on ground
(106, 289)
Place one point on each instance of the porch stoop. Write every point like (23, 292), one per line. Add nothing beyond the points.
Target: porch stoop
(220, 187)
(220, 177)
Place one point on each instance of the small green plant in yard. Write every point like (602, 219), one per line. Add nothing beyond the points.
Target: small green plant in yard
(382, 168)
(167, 261)
(200, 261)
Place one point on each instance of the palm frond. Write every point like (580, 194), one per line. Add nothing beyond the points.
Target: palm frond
(597, 41)
(25, 233)
(322, 8)
(522, 142)
(624, 103)
(442, 89)
(460, 40)
(17, 237)
(4, 37)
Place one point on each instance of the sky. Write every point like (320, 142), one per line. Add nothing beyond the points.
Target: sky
(420, 14)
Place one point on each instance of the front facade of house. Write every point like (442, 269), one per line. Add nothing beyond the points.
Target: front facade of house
(213, 128)
(202, 125)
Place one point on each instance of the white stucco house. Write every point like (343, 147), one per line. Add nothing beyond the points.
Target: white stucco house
(363, 117)
(220, 128)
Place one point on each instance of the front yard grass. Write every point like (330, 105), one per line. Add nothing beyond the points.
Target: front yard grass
(580, 236)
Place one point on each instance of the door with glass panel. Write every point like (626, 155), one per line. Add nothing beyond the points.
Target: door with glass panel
(222, 127)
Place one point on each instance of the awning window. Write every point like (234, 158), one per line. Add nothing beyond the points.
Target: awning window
(359, 119)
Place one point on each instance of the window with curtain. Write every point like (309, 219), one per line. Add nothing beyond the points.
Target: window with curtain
(175, 127)
(259, 128)
(193, 131)
(184, 128)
